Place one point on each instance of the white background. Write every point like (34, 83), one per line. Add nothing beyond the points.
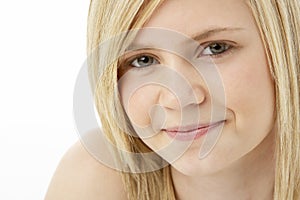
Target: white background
(42, 48)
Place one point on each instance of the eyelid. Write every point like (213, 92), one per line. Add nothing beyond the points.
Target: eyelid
(128, 59)
(136, 54)
(203, 46)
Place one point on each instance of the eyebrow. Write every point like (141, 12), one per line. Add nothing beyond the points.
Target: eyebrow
(196, 37)
(210, 32)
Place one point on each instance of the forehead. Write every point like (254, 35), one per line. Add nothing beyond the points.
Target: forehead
(191, 16)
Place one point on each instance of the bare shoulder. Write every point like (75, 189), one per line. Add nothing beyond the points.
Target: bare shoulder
(80, 176)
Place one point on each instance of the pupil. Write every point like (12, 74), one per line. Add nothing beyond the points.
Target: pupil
(144, 59)
(217, 48)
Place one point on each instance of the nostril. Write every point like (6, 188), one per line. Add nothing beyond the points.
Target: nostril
(199, 94)
(182, 97)
(158, 117)
(168, 99)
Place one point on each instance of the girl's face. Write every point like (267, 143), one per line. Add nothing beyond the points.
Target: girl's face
(228, 37)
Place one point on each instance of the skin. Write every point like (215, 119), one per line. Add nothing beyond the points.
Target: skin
(241, 165)
(80, 176)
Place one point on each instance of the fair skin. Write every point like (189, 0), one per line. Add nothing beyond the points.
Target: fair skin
(80, 176)
(241, 164)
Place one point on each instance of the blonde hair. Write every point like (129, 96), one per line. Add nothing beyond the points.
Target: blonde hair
(278, 22)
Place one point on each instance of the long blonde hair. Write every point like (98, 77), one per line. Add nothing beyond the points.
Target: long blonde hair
(278, 22)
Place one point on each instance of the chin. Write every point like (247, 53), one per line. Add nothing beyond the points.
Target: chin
(189, 164)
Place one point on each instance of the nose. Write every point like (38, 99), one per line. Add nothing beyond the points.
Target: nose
(181, 98)
(183, 87)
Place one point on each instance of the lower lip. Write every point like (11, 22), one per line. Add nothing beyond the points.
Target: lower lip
(192, 135)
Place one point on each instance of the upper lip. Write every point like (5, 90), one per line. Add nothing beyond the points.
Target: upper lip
(190, 128)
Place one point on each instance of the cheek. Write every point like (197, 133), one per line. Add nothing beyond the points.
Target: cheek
(139, 105)
(250, 93)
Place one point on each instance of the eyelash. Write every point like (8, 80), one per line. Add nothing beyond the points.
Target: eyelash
(228, 50)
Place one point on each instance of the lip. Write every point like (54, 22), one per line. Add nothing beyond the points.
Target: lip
(191, 132)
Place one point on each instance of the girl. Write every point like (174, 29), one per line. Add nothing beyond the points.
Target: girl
(253, 132)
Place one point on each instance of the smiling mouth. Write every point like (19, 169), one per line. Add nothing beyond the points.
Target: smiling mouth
(191, 132)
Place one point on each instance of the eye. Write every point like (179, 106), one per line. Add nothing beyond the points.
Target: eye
(144, 61)
(215, 49)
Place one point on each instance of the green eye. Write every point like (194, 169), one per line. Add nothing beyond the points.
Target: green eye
(215, 49)
(144, 61)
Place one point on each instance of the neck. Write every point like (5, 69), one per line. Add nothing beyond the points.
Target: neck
(249, 178)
